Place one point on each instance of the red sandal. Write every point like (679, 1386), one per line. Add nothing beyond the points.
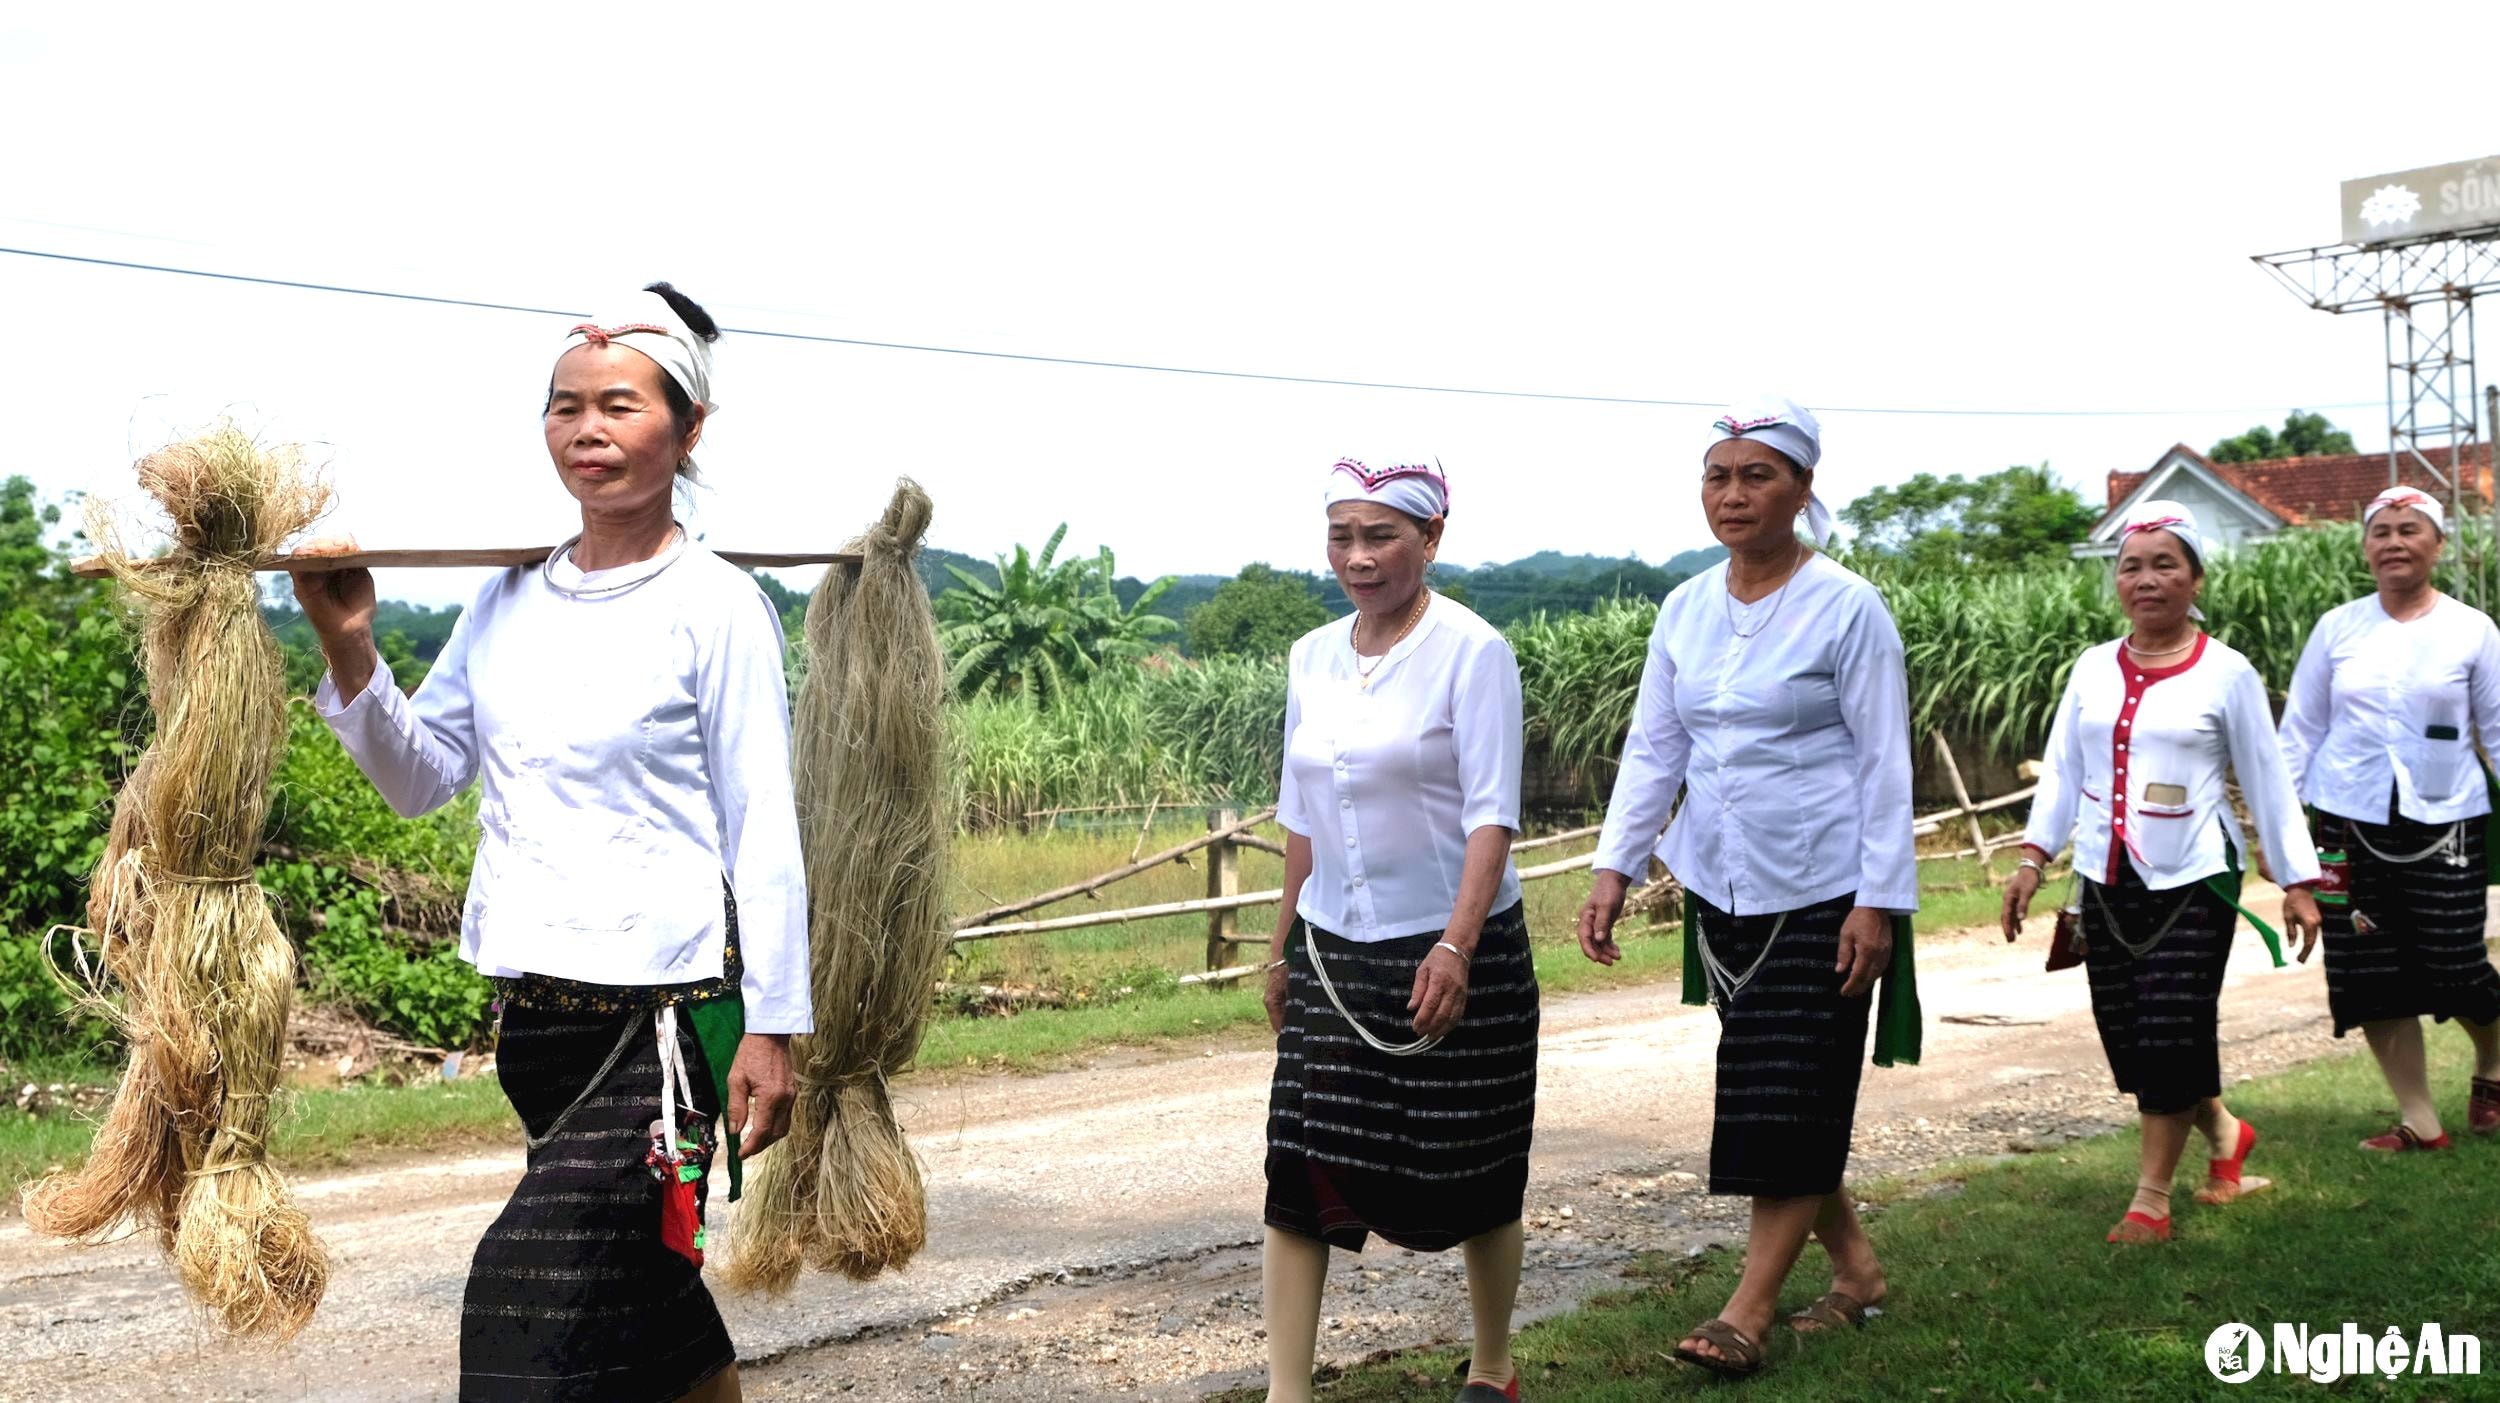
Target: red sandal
(2140, 1229)
(2482, 1107)
(2404, 1138)
(2228, 1171)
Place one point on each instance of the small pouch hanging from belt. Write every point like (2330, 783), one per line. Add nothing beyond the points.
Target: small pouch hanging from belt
(679, 1154)
(2066, 942)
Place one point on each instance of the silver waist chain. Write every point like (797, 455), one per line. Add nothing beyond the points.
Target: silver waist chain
(1310, 944)
(1725, 984)
(2450, 846)
(2119, 934)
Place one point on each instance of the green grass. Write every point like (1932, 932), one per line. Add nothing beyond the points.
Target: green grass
(316, 1129)
(335, 1125)
(331, 1126)
(1040, 1037)
(2002, 1287)
(996, 866)
(1958, 894)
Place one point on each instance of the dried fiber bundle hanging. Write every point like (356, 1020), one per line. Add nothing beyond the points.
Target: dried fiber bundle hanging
(194, 969)
(868, 750)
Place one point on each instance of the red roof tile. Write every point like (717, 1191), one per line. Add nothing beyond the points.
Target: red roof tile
(2329, 488)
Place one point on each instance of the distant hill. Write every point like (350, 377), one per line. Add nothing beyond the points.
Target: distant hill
(1693, 562)
(1548, 582)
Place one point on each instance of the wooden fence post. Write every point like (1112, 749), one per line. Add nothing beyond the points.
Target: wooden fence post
(1223, 879)
(1961, 796)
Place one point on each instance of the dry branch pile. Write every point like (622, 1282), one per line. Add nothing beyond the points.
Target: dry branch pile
(869, 755)
(193, 969)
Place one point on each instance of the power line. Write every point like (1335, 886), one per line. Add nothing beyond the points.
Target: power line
(1269, 377)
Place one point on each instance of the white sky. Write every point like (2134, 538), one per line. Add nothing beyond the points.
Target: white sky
(1990, 207)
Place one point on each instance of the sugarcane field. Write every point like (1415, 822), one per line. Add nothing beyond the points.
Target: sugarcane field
(1306, 705)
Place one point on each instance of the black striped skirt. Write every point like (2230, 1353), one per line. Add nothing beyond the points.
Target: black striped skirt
(1791, 1049)
(571, 1294)
(1428, 1150)
(2418, 947)
(2156, 960)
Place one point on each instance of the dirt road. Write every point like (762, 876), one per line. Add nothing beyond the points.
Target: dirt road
(1091, 1229)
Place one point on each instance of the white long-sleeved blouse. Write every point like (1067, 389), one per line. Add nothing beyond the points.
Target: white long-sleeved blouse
(633, 749)
(1786, 722)
(2381, 707)
(1388, 781)
(2137, 763)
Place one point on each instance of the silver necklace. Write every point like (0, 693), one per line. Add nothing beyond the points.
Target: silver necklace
(1778, 597)
(667, 557)
(2143, 652)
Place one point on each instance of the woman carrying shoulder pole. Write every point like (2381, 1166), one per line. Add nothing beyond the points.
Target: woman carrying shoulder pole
(638, 898)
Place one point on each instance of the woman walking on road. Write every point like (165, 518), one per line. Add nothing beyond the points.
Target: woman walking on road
(637, 897)
(1774, 697)
(2150, 728)
(1403, 997)
(2392, 692)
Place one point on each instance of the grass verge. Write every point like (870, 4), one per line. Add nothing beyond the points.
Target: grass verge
(317, 1129)
(2002, 1288)
(1040, 1037)
(332, 1126)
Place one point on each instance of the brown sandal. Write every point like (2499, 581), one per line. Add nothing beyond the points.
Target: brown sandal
(2482, 1106)
(1831, 1311)
(1738, 1357)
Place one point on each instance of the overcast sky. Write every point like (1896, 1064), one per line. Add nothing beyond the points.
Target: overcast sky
(1978, 208)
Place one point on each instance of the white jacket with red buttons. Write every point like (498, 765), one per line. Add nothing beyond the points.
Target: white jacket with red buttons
(2137, 763)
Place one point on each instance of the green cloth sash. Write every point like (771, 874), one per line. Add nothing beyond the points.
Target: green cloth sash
(719, 1026)
(2491, 850)
(2226, 885)
(1899, 1026)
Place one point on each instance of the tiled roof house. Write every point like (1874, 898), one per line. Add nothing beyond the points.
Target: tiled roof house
(2238, 502)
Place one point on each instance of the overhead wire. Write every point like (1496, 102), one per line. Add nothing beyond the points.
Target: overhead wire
(1151, 367)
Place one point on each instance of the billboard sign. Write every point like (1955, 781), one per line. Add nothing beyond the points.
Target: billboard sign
(2421, 203)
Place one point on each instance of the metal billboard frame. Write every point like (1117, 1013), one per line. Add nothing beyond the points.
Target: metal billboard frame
(2425, 289)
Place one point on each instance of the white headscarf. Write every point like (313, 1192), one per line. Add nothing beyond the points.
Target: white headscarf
(2413, 497)
(649, 325)
(1419, 491)
(2163, 515)
(1787, 426)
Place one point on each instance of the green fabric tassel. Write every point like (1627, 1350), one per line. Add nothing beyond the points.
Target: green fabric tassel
(719, 1026)
(1900, 1027)
(2227, 886)
(2491, 851)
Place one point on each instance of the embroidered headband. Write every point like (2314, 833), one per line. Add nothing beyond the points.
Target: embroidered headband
(651, 326)
(2159, 515)
(1791, 430)
(2413, 497)
(1420, 492)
